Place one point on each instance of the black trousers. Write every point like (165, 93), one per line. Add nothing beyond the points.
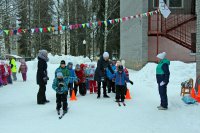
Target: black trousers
(99, 88)
(111, 86)
(61, 100)
(41, 96)
(163, 95)
(120, 92)
(82, 88)
(72, 86)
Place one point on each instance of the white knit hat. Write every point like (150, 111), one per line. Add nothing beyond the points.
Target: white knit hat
(59, 74)
(161, 55)
(105, 54)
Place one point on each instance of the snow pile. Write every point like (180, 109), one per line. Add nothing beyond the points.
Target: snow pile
(67, 58)
(20, 113)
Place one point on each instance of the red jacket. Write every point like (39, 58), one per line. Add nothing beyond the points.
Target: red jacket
(9, 69)
(81, 76)
(2, 70)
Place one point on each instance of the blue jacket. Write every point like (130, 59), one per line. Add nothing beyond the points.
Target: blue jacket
(120, 78)
(72, 75)
(108, 73)
(56, 84)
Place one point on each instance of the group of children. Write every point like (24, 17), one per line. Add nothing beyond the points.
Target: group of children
(81, 78)
(9, 69)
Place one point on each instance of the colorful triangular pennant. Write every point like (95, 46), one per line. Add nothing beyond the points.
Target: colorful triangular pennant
(63, 27)
(83, 25)
(6, 31)
(88, 25)
(53, 29)
(41, 29)
(32, 30)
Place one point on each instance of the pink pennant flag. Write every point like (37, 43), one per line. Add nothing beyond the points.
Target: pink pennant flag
(124, 19)
(36, 30)
(113, 21)
(71, 27)
(76, 26)
(19, 30)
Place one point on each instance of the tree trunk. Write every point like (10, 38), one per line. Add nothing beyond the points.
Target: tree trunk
(106, 27)
(76, 42)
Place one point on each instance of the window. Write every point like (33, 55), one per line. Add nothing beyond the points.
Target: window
(170, 3)
(176, 3)
(155, 4)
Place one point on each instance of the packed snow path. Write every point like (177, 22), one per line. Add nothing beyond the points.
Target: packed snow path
(19, 112)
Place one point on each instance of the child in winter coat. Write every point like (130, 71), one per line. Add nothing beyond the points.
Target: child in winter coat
(86, 69)
(72, 78)
(60, 86)
(82, 78)
(9, 78)
(92, 83)
(1, 82)
(110, 82)
(5, 72)
(23, 69)
(120, 81)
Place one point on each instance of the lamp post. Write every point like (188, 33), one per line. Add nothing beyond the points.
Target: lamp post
(84, 43)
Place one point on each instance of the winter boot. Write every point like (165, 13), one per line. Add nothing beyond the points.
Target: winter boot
(162, 108)
(106, 96)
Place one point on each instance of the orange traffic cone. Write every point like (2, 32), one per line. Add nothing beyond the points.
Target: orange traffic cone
(198, 95)
(128, 96)
(73, 97)
(192, 93)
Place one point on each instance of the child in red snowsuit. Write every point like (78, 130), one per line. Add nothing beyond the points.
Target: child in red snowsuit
(5, 73)
(1, 82)
(81, 79)
(92, 83)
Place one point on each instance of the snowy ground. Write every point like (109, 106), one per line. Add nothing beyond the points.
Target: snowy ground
(19, 112)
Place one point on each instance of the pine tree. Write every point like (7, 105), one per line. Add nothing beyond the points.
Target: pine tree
(77, 16)
(42, 17)
(23, 38)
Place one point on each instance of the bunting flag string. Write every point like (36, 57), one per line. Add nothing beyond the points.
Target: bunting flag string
(75, 26)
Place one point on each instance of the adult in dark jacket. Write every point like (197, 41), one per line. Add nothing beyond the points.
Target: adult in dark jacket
(162, 76)
(100, 73)
(42, 76)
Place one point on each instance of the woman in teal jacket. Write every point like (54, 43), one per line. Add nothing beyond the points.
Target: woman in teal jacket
(162, 76)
